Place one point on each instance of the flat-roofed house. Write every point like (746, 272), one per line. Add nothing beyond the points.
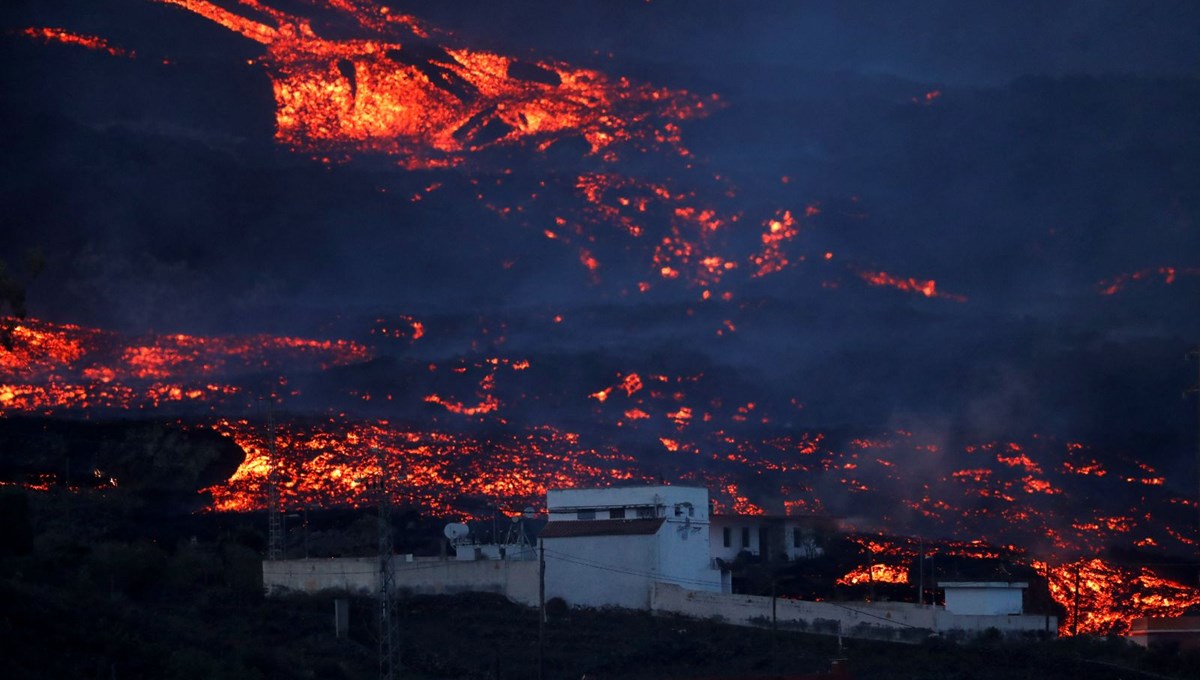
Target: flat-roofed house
(607, 547)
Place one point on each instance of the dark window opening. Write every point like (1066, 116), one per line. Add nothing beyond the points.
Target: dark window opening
(727, 536)
(586, 514)
(745, 537)
(616, 513)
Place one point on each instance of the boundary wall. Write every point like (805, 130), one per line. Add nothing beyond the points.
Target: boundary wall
(894, 621)
(515, 579)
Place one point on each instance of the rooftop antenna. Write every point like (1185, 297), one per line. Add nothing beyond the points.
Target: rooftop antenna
(388, 649)
(517, 535)
(274, 515)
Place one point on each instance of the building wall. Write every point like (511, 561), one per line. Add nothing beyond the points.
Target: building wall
(600, 571)
(516, 580)
(685, 555)
(883, 620)
(992, 601)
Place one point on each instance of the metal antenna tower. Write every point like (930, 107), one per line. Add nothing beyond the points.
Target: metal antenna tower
(274, 515)
(388, 648)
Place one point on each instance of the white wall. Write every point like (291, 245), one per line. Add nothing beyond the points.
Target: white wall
(984, 600)
(685, 555)
(899, 621)
(716, 536)
(516, 580)
(600, 571)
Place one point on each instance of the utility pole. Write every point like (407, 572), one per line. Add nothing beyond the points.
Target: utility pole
(541, 609)
(388, 651)
(274, 518)
(1195, 389)
(921, 571)
(1075, 613)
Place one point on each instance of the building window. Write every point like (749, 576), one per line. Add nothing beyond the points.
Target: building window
(727, 536)
(796, 538)
(746, 537)
(616, 513)
(586, 514)
(645, 512)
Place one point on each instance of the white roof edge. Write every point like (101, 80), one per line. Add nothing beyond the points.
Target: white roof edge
(635, 486)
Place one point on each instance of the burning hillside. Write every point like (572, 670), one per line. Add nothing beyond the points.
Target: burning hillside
(1027, 496)
(887, 298)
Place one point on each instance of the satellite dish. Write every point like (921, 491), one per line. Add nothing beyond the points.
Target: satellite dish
(529, 513)
(456, 532)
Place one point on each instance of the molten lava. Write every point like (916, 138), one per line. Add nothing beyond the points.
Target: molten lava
(875, 573)
(1102, 598)
(927, 288)
(409, 91)
(56, 367)
(65, 37)
(1168, 274)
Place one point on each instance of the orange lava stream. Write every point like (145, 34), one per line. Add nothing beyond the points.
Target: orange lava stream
(334, 462)
(1110, 597)
(61, 35)
(54, 367)
(1169, 274)
(875, 573)
(407, 90)
(927, 288)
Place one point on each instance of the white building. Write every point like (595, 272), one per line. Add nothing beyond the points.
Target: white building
(607, 547)
(989, 598)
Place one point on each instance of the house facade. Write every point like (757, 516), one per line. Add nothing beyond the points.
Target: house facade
(607, 547)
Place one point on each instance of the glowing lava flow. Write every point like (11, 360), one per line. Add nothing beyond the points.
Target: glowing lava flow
(1169, 274)
(332, 462)
(875, 573)
(405, 90)
(65, 37)
(55, 367)
(926, 288)
(1102, 598)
